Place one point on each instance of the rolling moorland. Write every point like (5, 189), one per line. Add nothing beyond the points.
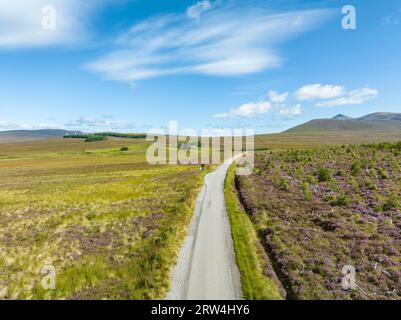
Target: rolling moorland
(109, 223)
(318, 201)
(112, 225)
(316, 211)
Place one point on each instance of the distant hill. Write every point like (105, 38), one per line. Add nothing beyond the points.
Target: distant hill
(341, 117)
(28, 135)
(379, 122)
(384, 117)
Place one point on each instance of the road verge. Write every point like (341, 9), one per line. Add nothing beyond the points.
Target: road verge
(253, 264)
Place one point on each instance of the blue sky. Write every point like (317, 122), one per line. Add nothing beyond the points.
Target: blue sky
(132, 65)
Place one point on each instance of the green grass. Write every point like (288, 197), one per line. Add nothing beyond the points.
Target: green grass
(255, 285)
(110, 223)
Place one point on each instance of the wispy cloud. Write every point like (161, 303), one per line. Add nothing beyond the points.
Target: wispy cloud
(210, 39)
(86, 124)
(8, 125)
(94, 124)
(353, 97)
(83, 122)
(248, 110)
(21, 22)
(319, 91)
(196, 10)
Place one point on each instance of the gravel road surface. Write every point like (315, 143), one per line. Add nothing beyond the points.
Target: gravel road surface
(206, 268)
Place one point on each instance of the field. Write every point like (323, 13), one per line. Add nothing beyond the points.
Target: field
(109, 223)
(316, 211)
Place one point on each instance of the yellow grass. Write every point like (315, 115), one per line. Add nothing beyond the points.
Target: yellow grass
(109, 223)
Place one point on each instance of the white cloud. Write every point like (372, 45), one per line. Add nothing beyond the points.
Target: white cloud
(104, 124)
(228, 39)
(195, 11)
(319, 91)
(353, 97)
(21, 22)
(6, 125)
(274, 103)
(93, 124)
(276, 97)
(97, 123)
(277, 104)
(248, 110)
(290, 112)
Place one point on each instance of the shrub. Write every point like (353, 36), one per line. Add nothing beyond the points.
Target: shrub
(392, 202)
(341, 200)
(308, 194)
(333, 185)
(124, 149)
(355, 168)
(284, 184)
(311, 180)
(383, 173)
(354, 185)
(324, 174)
(369, 184)
(340, 173)
(299, 172)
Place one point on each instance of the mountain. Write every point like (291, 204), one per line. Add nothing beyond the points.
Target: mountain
(341, 117)
(379, 122)
(28, 135)
(384, 117)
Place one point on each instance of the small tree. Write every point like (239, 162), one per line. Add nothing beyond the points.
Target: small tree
(324, 174)
(392, 202)
(308, 194)
(355, 168)
(284, 184)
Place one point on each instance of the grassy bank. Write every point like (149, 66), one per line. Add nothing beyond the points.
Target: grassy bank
(252, 263)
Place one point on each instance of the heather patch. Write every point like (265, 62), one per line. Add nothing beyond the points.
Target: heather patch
(319, 210)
